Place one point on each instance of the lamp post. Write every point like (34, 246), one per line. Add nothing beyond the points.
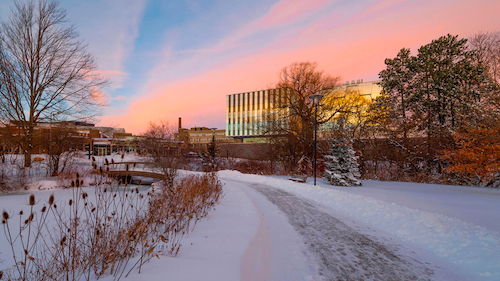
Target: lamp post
(316, 98)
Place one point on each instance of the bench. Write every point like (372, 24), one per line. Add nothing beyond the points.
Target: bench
(298, 178)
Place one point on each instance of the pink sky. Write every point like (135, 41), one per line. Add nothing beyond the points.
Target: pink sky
(347, 39)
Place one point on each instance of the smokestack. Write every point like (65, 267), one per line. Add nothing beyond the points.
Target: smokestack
(180, 125)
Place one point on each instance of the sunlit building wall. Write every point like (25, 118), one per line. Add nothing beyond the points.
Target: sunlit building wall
(246, 112)
(369, 90)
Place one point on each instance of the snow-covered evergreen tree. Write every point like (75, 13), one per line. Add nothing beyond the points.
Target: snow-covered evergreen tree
(342, 166)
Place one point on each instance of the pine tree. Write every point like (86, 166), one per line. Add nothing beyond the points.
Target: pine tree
(342, 167)
(209, 158)
(432, 93)
(397, 82)
(427, 98)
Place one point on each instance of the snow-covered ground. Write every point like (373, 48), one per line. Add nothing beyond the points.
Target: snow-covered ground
(455, 230)
(436, 220)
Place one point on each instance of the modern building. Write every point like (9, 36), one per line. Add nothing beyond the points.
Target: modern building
(246, 112)
(370, 90)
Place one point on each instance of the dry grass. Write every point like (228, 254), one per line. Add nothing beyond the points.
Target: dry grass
(86, 239)
(257, 167)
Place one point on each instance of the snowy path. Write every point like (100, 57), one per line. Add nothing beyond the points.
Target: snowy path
(455, 249)
(341, 251)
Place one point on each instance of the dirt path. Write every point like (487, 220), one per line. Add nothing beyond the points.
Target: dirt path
(341, 251)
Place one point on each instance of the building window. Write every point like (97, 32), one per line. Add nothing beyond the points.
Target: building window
(253, 100)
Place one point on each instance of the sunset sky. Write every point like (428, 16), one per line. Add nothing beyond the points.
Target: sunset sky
(170, 59)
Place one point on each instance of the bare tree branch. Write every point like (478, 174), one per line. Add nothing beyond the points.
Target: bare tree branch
(45, 70)
(290, 120)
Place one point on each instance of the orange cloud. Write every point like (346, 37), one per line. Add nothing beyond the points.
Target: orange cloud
(221, 48)
(381, 6)
(282, 13)
(287, 11)
(353, 47)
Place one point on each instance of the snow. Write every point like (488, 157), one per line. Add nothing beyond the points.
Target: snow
(276, 252)
(473, 248)
(244, 238)
(248, 238)
(237, 241)
(214, 249)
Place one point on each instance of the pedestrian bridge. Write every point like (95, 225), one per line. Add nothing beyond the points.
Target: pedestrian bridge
(126, 176)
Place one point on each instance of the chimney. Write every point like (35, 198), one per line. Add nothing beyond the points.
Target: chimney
(180, 125)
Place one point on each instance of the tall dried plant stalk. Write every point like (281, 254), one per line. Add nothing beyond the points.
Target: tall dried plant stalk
(83, 239)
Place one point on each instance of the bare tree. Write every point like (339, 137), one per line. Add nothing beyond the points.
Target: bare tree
(300, 80)
(46, 72)
(163, 149)
(290, 121)
(487, 47)
(350, 110)
(62, 145)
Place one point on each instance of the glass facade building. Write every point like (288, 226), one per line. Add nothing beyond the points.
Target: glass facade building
(369, 90)
(246, 113)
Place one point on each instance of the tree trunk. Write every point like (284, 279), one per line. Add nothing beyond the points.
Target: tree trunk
(27, 157)
(54, 159)
(28, 144)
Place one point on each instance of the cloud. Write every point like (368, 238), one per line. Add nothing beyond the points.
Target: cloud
(287, 11)
(174, 64)
(110, 33)
(99, 98)
(119, 98)
(111, 73)
(109, 27)
(218, 49)
(380, 7)
(115, 77)
(352, 44)
(282, 13)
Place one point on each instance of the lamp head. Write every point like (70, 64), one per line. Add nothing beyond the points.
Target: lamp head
(316, 98)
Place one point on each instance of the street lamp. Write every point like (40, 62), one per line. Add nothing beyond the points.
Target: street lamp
(316, 98)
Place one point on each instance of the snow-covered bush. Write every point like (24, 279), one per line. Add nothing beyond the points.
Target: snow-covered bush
(13, 176)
